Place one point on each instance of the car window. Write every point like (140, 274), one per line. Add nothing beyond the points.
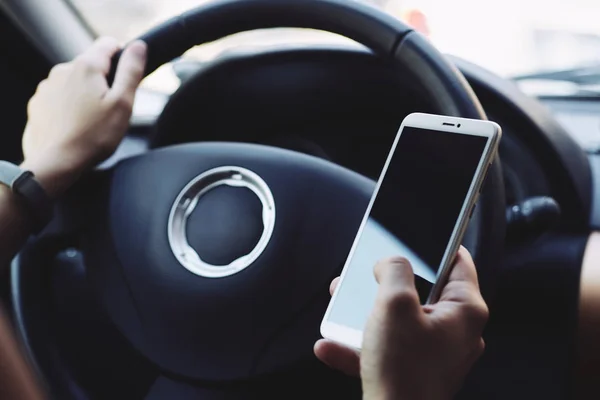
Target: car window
(509, 37)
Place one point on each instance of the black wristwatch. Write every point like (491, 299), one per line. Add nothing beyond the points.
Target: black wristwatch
(34, 197)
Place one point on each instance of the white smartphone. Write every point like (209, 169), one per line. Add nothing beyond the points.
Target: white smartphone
(420, 209)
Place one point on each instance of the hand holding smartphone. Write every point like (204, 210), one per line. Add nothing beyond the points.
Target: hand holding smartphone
(420, 209)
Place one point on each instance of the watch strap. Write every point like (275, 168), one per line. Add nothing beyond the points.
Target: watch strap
(9, 173)
(24, 185)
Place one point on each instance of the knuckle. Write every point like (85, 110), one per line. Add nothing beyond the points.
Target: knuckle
(83, 63)
(477, 348)
(59, 69)
(481, 347)
(399, 302)
(123, 103)
(60, 66)
(33, 100)
(476, 313)
(41, 86)
(106, 146)
(30, 105)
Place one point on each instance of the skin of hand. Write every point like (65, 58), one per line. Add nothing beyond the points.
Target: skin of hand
(75, 120)
(410, 351)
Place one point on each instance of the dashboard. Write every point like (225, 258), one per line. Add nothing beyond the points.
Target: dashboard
(581, 118)
(595, 215)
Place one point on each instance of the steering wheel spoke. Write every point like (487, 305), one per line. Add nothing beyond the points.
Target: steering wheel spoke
(173, 313)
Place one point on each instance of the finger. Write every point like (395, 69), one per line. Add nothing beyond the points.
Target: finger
(130, 72)
(463, 286)
(464, 268)
(98, 57)
(338, 357)
(58, 69)
(333, 285)
(397, 292)
(42, 85)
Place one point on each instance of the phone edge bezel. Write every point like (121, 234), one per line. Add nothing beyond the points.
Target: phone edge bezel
(353, 337)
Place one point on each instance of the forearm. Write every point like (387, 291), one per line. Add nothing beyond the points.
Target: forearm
(17, 380)
(15, 226)
(15, 219)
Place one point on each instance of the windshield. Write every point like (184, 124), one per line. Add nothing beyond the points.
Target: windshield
(509, 37)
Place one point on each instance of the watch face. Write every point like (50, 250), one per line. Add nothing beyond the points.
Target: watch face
(9, 173)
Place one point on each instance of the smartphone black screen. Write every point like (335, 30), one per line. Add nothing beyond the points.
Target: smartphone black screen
(414, 215)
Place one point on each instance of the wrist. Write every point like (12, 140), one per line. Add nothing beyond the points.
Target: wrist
(53, 179)
(412, 392)
(380, 393)
(13, 207)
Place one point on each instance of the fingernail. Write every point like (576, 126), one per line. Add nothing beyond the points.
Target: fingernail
(139, 48)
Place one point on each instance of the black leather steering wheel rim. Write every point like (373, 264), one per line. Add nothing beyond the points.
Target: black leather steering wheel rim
(386, 36)
(389, 38)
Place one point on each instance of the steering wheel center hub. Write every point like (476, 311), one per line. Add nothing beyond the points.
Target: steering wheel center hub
(200, 188)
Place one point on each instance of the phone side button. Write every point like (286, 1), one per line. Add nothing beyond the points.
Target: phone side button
(472, 210)
(485, 175)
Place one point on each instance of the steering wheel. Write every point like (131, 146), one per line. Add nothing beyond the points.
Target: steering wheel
(213, 259)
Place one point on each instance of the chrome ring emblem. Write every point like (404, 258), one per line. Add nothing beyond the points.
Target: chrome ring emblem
(186, 203)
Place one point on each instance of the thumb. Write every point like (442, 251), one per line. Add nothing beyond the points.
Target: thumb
(339, 357)
(129, 73)
(397, 292)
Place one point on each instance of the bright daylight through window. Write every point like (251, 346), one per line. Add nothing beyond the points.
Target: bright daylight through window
(509, 37)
